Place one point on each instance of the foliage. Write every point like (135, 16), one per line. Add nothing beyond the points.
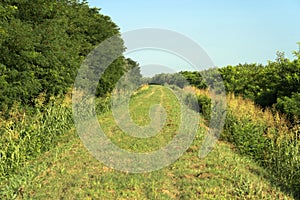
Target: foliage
(200, 103)
(290, 105)
(267, 138)
(24, 136)
(194, 79)
(170, 79)
(42, 44)
(275, 84)
(205, 106)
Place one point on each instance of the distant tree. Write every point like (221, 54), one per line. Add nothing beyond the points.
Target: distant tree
(170, 79)
(194, 78)
(275, 84)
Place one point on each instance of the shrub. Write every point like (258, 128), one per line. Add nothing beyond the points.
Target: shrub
(204, 103)
(289, 105)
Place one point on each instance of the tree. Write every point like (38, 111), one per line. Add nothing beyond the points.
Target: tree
(43, 44)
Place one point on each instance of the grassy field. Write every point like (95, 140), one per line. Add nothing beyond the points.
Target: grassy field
(69, 171)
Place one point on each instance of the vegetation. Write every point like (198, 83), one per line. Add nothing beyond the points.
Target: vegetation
(265, 136)
(69, 171)
(42, 46)
(269, 136)
(273, 85)
(26, 137)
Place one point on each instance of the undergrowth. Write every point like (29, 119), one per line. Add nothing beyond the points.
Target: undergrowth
(24, 136)
(264, 135)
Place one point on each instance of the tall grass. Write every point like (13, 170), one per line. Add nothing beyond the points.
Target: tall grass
(24, 136)
(265, 136)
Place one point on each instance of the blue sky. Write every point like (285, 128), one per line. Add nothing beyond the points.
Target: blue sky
(230, 31)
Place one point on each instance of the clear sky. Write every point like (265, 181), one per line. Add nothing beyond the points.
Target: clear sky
(230, 31)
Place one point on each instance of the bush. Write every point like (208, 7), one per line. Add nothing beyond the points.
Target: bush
(205, 106)
(290, 105)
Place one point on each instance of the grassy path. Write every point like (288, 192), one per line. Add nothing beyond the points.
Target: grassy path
(70, 172)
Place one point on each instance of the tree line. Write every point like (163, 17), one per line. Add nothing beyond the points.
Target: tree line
(275, 84)
(43, 43)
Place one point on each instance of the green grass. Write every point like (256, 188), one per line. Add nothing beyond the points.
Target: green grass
(69, 171)
(139, 111)
(24, 137)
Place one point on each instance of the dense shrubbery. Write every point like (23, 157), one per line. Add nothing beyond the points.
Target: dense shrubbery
(289, 105)
(276, 84)
(42, 45)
